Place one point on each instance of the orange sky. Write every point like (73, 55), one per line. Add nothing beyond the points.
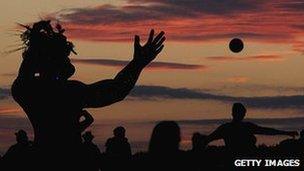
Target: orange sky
(196, 56)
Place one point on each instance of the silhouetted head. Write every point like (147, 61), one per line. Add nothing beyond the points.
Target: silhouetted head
(46, 52)
(119, 132)
(198, 141)
(21, 137)
(238, 111)
(88, 136)
(165, 137)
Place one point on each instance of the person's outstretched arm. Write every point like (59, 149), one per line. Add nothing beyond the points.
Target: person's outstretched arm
(215, 135)
(107, 92)
(270, 131)
(88, 120)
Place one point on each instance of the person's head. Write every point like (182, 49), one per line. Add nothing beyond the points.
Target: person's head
(165, 137)
(21, 137)
(238, 111)
(119, 132)
(198, 140)
(88, 136)
(46, 51)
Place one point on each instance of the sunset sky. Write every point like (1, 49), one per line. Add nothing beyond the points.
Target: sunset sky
(196, 76)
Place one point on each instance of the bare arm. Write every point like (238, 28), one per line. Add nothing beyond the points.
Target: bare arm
(106, 92)
(271, 131)
(215, 135)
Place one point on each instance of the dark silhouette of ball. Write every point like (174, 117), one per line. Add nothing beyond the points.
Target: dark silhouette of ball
(236, 45)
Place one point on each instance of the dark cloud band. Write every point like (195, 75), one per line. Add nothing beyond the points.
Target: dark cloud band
(155, 65)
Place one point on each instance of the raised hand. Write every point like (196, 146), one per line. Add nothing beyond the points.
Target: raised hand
(147, 53)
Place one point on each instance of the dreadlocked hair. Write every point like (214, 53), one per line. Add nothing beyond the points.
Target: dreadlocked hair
(45, 48)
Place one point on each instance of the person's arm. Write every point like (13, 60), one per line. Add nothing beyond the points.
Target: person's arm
(107, 92)
(270, 131)
(88, 120)
(215, 135)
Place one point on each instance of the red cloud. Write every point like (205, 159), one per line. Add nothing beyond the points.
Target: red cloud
(198, 20)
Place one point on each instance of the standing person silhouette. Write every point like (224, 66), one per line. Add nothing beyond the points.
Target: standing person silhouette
(93, 154)
(52, 101)
(239, 135)
(118, 145)
(18, 155)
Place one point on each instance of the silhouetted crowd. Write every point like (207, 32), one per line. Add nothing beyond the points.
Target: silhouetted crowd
(163, 151)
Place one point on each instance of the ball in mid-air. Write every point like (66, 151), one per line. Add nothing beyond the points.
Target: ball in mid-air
(236, 45)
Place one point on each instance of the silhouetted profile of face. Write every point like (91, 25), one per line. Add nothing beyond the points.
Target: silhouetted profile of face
(238, 111)
(47, 51)
(119, 132)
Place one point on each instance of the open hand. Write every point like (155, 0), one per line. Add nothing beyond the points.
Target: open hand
(147, 53)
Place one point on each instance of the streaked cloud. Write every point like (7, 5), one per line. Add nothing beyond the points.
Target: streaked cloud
(197, 20)
(9, 74)
(149, 92)
(154, 65)
(267, 58)
(4, 93)
(9, 110)
(238, 79)
(162, 92)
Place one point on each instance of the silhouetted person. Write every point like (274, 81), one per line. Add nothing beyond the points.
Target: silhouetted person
(164, 152)
(293, 147)
(198, 142)
(118, 145)
(53, 102)
(118, 151)
(197, 153)
(93, 153)
(18, 155)
(239, 136)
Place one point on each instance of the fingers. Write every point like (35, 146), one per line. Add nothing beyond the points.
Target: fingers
(160, 42)
(136, 41)
(158, 37)
(159, 49)
(151, 36)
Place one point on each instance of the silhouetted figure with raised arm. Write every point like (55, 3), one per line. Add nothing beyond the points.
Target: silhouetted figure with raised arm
(239, 136)
(52, 102)
(18, 156)
(93, 153)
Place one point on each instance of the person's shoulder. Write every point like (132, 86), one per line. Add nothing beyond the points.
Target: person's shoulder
(75, 83)
(250, 124)
(109, 141)
(225, 125)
